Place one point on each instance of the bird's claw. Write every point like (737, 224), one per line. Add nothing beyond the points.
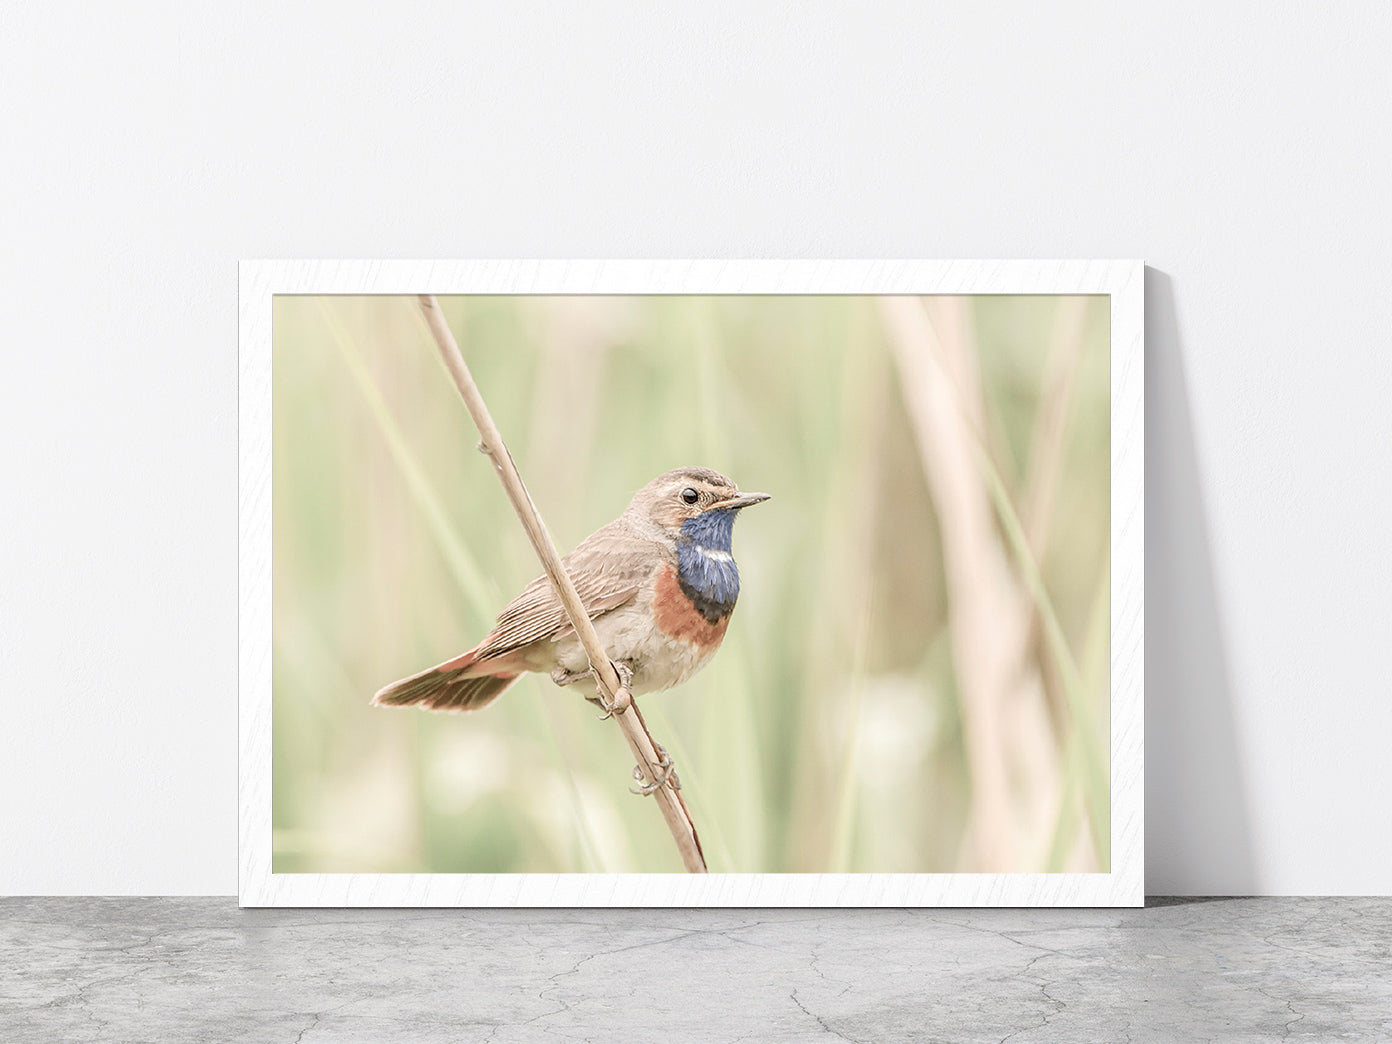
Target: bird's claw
(625, 673)
(666, 775)
(622, 698)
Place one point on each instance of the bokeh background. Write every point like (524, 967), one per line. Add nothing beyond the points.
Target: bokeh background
(916, 676)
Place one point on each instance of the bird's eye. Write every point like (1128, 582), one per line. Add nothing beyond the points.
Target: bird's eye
(689, 495)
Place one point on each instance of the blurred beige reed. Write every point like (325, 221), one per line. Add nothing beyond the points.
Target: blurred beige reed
(1003, 695)
(917, 675)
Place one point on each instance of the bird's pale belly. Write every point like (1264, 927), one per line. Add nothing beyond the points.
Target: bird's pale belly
(664, 639)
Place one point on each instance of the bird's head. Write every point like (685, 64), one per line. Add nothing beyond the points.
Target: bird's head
(695, 503)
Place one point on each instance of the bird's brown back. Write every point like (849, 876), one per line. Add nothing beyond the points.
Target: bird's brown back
(608, 568)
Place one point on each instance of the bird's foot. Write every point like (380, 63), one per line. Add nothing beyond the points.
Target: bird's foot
(666, 774)
(561, 676)
(622, 698)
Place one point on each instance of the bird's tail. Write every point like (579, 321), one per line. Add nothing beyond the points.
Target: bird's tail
(455, 685)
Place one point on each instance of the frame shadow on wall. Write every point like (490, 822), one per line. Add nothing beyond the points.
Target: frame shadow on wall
(1197, 823)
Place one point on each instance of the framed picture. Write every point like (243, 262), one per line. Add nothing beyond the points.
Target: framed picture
(911, 674)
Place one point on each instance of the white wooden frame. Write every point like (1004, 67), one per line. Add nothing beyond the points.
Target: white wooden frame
(1122, 280)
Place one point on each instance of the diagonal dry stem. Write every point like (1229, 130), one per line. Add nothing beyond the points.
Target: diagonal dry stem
(611, 689)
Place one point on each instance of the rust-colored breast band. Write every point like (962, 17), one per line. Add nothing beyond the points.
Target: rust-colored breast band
(678, 618)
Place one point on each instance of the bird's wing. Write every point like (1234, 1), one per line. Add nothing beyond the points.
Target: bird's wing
(608, 569)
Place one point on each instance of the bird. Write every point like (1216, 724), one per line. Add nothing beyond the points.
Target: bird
(659, 583)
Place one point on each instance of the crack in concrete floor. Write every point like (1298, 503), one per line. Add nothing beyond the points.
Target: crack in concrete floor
(133, 970)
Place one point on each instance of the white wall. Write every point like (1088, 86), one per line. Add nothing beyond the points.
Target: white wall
(1244, 153)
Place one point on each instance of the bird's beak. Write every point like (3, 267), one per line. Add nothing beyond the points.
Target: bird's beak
(743, 500)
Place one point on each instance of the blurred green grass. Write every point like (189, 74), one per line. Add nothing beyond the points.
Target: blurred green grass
(827, 734)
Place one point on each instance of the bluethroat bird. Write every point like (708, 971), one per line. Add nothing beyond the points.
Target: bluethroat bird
(659, 582)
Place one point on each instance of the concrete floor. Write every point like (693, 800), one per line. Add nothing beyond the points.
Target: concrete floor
(173, 970)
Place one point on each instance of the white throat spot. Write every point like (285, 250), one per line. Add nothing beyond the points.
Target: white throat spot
(715, 556)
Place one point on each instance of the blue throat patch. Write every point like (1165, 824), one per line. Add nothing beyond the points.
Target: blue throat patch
(705, 570)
